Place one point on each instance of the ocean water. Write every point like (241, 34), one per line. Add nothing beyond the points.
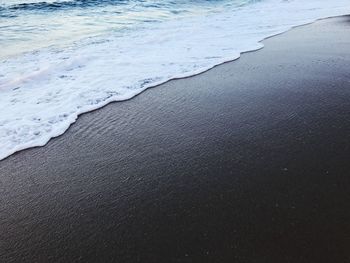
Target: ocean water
(61, 58)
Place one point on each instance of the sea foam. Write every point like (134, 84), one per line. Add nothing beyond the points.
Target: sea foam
(43, 92)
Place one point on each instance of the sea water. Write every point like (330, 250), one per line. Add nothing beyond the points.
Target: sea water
(61, 58)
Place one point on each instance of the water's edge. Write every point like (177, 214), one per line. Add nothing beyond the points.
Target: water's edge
(113, 99)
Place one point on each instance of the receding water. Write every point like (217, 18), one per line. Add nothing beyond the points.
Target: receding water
(59, 59)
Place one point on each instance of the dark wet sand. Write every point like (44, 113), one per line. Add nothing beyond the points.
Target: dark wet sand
(249, 162)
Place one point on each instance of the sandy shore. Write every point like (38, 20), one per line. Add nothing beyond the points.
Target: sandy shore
(248, 162)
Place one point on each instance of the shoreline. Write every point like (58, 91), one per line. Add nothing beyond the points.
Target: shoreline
(247, 162)
(108, 101)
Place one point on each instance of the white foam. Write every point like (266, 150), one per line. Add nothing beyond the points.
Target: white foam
(42, 93)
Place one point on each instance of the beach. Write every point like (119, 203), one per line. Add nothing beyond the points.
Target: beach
(247, 162)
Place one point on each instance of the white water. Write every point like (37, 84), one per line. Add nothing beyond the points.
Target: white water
(43, 92)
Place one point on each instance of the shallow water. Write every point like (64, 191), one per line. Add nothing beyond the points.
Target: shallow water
(28, 25)
(62, 58)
